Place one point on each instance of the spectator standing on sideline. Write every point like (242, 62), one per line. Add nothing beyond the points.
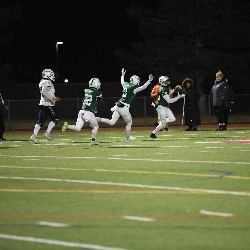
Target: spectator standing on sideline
(46, 105)
(165, 113)
(2, 123)
(130, 89)
(222, 98)
(191, 106)
(154, 94)
(92, 95)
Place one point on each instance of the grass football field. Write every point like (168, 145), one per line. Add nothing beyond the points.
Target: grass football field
(183, 190)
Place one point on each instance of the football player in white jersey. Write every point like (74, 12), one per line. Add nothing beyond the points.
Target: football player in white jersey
(47, 105)
(130, 89)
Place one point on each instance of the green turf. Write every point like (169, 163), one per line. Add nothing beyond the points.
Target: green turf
(172, 180)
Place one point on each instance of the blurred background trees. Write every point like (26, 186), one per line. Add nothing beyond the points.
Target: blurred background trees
(191, 38)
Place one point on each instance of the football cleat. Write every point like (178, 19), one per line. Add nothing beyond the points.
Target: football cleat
(65, 126)
(47, 136)
(94, 143)
(131, 138)
(153, 135)
(34, 139)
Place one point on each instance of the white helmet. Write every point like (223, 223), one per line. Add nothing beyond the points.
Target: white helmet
(48, 74)
(163, 80)
(135, 80)
(94, 83)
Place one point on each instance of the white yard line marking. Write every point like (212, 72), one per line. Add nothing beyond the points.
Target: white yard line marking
(52, 224)
(125, 159)
(215, 213)
(167, 153)
(146, 219)
(119, 155)
(208, 191)
(57, 242)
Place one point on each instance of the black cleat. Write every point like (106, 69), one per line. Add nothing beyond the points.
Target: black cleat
(153, 135)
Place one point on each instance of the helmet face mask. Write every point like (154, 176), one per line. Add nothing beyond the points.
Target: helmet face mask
(164, 80)
(95, 83)
(48, 74)
(135, 80)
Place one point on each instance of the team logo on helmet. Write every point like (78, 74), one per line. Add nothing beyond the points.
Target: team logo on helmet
(94, 83)
(164, 80)
(48, 74)
(135, 80)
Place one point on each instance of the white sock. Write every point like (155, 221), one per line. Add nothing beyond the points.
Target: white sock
(37, 129)
(50, 126)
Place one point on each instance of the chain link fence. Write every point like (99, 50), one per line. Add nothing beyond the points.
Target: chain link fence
(23, 114)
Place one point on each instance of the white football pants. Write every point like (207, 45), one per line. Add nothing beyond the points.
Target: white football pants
(86, 116)
(125, 114)
(166, 115)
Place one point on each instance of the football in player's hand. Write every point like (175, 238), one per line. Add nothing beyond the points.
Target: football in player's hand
(177, 88)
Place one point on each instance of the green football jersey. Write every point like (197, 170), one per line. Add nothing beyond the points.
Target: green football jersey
(128, 92)
(90, 99)
(163, 91)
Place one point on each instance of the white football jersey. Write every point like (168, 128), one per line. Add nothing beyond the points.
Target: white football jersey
(47, 91)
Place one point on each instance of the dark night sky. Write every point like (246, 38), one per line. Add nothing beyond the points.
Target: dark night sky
(90, 30)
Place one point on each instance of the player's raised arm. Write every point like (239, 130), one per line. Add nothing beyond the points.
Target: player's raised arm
(122, 76)
(145, 85)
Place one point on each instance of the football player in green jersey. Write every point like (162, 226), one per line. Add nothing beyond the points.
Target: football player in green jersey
(87, 114)
(130, 89)
(166, 115)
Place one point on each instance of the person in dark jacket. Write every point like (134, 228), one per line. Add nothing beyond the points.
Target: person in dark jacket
(191, 105)
(2, 123)
(222, 99)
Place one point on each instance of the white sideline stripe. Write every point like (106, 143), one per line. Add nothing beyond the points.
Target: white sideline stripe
(57, 242)
(215, 213)
(52, 224)
(138, 218)
(126, 159)
(209, 191)
(119, 155)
